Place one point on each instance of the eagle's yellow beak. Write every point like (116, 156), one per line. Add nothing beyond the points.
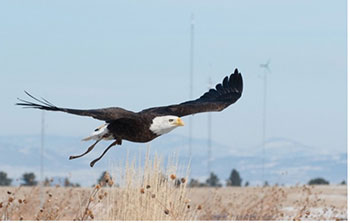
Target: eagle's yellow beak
(179, 122)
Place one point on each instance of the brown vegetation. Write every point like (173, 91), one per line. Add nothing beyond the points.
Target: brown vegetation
(151, 193)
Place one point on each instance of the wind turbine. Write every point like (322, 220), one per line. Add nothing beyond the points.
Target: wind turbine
(266, 68)
(266, 65)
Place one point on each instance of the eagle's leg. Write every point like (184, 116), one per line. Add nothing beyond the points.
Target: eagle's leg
(116, 142)
(87, 151)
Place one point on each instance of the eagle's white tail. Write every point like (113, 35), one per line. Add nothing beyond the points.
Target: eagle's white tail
(99, 133)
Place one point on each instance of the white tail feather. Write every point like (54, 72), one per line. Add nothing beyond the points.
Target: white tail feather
(88, 138)
(99, 133)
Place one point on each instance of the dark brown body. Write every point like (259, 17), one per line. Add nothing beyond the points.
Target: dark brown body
(134, 129)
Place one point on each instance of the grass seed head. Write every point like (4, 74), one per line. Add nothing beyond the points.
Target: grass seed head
(166, 211)
(88, 212)
(10, 200)
(9, 192)
(153, 196)
(107, 180)
(173, 176)
(148, 187)
(142, 190)
(110, 182)
(1, 205)
(183, 180)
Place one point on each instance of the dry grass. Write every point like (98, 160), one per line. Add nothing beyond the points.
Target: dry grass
(272, 203)
(150, 193)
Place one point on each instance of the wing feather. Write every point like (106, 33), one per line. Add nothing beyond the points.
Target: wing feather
(216, 99)
(105, 114)
(225, 83)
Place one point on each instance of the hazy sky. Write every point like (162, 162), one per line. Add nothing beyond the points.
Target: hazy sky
(135, 54)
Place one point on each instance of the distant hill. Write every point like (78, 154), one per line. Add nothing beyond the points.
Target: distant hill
(286, 161)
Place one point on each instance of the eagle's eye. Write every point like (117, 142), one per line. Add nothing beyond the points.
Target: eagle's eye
(171, 120)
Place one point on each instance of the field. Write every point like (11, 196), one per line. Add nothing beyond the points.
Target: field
(270, 203)
(150, 193)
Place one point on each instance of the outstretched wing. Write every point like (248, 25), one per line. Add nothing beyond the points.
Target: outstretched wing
(105, 114)
(216, 99)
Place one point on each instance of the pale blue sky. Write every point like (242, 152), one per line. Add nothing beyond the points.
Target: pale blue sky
(135, 54)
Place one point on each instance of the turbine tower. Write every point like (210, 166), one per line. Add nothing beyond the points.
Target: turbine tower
(266, 68)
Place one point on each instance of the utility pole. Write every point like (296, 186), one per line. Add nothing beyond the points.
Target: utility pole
(191, 83)
(42, 158)
(264, 125)
(209, 135)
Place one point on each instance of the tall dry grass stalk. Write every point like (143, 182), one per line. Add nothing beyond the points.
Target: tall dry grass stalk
(150, 192)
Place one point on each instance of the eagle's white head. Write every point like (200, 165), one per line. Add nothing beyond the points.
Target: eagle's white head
(164, 124)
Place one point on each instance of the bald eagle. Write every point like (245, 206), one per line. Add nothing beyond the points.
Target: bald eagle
(144, 126)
